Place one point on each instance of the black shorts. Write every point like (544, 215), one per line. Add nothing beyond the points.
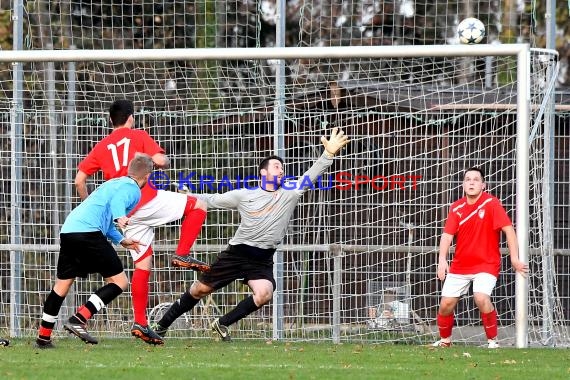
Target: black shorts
(82, 253)
(240, 262)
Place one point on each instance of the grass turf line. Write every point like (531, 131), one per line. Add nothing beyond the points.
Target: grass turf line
(199, 359)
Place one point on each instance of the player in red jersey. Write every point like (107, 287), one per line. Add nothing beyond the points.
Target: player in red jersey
(476, 221)
(157, 207)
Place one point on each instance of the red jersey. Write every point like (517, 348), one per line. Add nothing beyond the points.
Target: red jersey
(113, 154)
(477, 230)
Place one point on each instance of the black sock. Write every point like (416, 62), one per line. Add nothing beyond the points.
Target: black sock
(242, 310)
(52, 305)
(109, 292)
(102, 297)
(185, 303)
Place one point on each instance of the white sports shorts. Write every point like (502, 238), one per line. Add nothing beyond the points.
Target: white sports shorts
(166, 207)
(456, 285)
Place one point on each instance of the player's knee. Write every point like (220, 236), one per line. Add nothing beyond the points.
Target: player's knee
(120, 280)
(482, 301)
(144, 263)
(446, 306)
(123, 284)
(262, 297)
(199, 290)
(261, 300)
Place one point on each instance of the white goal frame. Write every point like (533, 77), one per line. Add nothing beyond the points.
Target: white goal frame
(520, 51)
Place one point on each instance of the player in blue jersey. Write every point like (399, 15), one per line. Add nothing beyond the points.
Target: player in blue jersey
(85, 249)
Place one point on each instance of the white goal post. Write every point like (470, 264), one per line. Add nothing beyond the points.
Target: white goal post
(291, 263)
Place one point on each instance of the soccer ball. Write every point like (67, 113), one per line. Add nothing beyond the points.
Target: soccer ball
(471, 31)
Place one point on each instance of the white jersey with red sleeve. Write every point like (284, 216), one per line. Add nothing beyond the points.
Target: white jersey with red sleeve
(112, 155)
(477, 229)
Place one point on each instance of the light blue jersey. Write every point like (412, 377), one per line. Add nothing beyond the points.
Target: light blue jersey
(112, 200)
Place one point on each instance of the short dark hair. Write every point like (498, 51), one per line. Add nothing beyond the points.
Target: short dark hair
(265, 162)
(475, 169)
(120, 111)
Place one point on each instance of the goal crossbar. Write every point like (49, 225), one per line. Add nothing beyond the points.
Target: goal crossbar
(262, 53)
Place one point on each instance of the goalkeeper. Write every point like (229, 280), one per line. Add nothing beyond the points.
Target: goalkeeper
(265, 213)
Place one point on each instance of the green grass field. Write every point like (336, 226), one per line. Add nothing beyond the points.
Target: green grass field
(257, 360)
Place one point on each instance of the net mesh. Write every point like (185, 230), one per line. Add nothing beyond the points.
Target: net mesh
(383, 203)
(415, 125)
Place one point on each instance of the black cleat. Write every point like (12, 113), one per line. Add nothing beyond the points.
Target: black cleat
(222, 330)
(145, 333)
(78, 329)
(190, 263)
(4, 342)
(161, 331)
(43, 344)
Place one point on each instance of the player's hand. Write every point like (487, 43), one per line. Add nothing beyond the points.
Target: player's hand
(123, 221)
(520, 267)
(336, 141)
(131, 244)
(181, 188)
(442, 269)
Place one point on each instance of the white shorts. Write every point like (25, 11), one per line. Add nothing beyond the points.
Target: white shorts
(456, 285)
(166, 207)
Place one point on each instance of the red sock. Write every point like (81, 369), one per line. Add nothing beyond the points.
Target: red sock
(139, 291)
(45, 332)
(490, 324)
(84, 312)
(445, 324)
(190, 228)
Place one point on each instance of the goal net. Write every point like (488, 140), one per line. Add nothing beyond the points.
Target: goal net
(359, 259)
